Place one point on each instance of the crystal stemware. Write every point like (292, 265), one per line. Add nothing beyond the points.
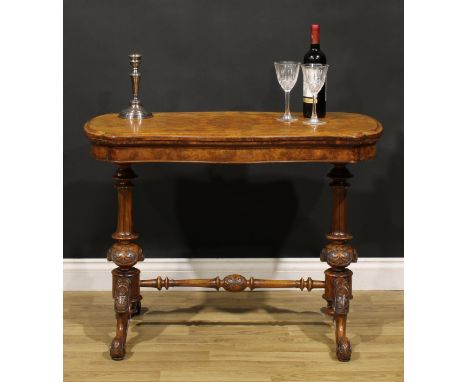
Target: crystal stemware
(287, 72)
(314, 78)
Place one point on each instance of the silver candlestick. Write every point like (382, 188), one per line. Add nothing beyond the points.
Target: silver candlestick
(135, 110)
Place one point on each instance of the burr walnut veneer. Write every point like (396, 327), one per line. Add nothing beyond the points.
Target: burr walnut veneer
(232, 137)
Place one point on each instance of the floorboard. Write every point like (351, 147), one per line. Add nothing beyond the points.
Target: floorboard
(272, 336)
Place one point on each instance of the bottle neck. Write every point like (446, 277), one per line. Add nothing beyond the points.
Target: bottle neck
(315, 36)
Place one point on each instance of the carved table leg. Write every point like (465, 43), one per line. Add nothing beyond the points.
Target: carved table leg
(121, 293)
(342, 292)
(339, 254)
(125, 254)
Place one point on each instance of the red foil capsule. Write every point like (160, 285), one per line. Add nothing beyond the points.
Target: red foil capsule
(315, 34)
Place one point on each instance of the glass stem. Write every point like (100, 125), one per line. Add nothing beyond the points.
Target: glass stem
(287, 112)
(313, 117)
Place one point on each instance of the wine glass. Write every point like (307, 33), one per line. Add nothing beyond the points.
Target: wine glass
(287, 72)
(314, 78)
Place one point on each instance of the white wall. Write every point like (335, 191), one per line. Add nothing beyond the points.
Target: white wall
(369, 273)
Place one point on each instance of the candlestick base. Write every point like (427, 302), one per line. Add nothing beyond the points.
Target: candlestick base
(135, 111)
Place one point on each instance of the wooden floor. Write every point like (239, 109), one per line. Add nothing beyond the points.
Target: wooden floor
(273, 336)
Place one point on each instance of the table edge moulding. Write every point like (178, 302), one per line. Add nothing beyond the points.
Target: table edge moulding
(232, 137)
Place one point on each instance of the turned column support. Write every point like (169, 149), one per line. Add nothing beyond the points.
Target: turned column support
(339, 254)
(125, 254)
(123, 183)
(339, 175)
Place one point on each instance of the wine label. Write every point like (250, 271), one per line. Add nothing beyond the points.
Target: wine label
(307, 94)
(305, 90)
(308, 100)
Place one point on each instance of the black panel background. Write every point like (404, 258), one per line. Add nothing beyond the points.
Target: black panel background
(217, 55)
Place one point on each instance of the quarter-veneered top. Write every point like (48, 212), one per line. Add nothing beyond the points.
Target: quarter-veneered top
(224, 137)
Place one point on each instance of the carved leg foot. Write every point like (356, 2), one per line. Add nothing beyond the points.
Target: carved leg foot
(122, 307)
(342, 295)
(117, 348)
(343, 349)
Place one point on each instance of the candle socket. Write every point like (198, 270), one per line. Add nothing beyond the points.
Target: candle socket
(135, 110)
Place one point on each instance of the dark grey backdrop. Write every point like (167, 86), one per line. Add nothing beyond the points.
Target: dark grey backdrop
(218, 55)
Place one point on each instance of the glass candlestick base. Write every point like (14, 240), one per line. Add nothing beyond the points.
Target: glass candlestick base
(135, 111)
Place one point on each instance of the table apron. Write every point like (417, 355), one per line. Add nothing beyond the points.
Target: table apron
(226, 154)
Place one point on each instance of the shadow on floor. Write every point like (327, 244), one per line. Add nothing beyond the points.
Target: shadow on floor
(151, 323)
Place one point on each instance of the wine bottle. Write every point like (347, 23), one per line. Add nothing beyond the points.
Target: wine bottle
(315, 56)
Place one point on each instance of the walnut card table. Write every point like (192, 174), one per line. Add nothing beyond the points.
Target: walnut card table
(231, 137)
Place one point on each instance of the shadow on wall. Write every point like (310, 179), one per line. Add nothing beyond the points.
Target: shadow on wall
(235, 218)
(89, 218)
(375, 215)
(238, 211)
(225, 211)
(220, 212)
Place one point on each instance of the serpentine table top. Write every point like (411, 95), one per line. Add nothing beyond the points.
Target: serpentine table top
(232, 137)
